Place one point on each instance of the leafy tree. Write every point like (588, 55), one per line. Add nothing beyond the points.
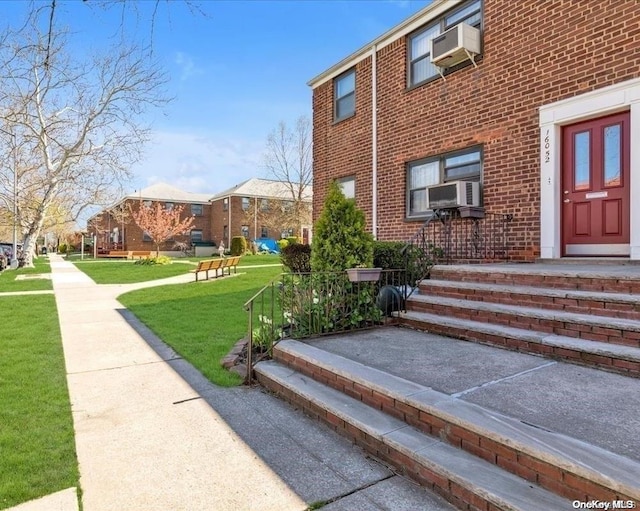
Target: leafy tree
(161, 224)
(340, 238)
(72, 122)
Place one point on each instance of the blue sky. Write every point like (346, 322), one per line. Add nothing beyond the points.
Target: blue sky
(236, 69)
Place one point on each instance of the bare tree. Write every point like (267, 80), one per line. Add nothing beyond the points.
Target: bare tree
(77, 124)
(288, 159)
(161, 224)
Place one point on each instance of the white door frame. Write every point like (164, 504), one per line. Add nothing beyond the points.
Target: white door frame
(624, 96)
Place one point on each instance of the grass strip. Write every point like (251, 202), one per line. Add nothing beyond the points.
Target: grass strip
(127, 272)
(9, 283)
(201, 321)
(37, 449)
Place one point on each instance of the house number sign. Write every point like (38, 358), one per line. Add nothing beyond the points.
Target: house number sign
(547, 145)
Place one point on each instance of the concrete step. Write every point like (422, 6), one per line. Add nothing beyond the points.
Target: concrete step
(584, 326)
(615, 305)
(606, 279)
(567, 466)
(463, 479)
(606, 356)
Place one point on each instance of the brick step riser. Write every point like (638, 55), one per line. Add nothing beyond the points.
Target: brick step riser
(546, 475)
(451, 491)
(609, 309)
(557, 282)
(566, 328)
(615, 365)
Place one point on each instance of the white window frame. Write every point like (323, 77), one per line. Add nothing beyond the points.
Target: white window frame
(336, 99)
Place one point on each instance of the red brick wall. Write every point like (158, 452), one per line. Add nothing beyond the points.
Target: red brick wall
(240, 217)
(535, 52)
(133, 234)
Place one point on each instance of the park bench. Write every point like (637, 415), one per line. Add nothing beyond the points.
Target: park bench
(139, 254)
(209, 265)
(123, 254)
(230, 262)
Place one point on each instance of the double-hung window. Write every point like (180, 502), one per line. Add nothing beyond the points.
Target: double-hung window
(196, 235)
(348, 186)
(420, 68)
(461, 165)
(196, 209)
(245, 203)
(344, 93)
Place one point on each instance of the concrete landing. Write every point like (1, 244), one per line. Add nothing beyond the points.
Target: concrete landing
(590, 405)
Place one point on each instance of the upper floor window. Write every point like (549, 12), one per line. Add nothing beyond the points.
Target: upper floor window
(462, 165)
(344, 93)
(225, 204)
(348, 186)
(168, 206)
(420, 68)
(264, 205)
(196, 209)
(470, 13)
(245, 203)
(146, 204)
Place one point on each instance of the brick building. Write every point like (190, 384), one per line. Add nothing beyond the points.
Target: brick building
(260, 208)
(116, 230)
(540, 112)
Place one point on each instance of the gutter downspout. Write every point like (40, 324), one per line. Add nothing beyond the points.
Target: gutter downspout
(374, 139)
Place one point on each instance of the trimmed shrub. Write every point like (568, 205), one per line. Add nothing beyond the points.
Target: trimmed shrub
(340, 237)
(150, 261)
(282, 244)
(293, 240)
(238, 245)
(388, 255)
(296, 258)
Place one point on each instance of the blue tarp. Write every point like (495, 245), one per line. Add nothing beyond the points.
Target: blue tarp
(267, 244)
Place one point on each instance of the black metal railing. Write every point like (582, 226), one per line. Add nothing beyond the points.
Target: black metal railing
(301, 305)
(464, 235)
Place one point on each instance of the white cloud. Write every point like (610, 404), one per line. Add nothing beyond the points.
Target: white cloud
(201, 163)
(187, 66)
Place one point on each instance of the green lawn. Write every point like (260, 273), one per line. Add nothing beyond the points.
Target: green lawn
(246, 260)
(36, 429)
(201, 321)
(8, 280)
(126, 272)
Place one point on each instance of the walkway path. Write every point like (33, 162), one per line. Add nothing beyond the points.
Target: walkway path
(152, 434)
(144, 440)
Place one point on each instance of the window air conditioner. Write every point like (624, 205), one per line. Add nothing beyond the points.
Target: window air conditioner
(455, 45)
(454, 194)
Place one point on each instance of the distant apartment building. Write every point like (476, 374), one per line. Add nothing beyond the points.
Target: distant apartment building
(115, 229)
(261, 208)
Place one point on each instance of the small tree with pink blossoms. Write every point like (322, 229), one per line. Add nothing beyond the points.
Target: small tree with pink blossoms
(161, 224)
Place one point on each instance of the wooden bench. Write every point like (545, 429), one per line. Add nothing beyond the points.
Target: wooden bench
(209, 265)
(139, 254)
(123, 254)
(231, 262)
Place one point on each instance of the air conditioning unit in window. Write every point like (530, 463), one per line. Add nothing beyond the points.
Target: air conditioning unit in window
(455, 45)
(453, 194)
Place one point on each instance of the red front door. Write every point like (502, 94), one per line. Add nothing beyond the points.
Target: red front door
(595, 187)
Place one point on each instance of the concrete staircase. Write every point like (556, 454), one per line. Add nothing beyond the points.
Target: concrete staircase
(475, 457)
(589, 317)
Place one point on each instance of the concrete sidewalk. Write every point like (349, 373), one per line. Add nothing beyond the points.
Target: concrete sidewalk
(153, 434)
